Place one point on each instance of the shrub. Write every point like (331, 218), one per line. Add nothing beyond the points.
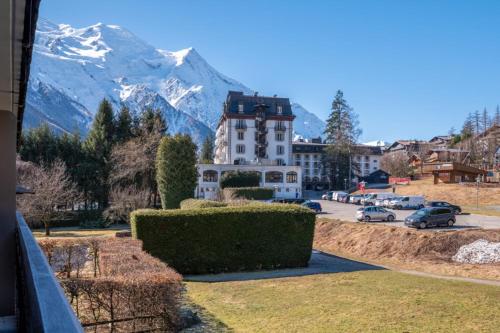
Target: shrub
(115, 286)
(176, 170)
(212, 240)
(249, 193)
(199, 203)
(240, 179)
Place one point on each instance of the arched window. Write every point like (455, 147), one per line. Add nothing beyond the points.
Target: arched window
(291, 177)
(274, 177)
(210, 176)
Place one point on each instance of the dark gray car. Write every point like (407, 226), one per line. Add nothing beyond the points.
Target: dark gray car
(431, 217)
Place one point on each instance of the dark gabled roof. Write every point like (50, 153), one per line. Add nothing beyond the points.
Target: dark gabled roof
(234, 98)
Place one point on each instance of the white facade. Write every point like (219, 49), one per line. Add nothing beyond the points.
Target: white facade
(236, 141)
(285, 180)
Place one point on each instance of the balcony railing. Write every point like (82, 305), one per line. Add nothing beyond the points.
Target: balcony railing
(43, 307)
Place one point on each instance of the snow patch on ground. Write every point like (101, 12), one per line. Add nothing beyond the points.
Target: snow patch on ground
(478, 252)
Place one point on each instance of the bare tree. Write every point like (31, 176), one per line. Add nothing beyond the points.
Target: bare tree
(396, 164)
(134, 165)
(52, 189)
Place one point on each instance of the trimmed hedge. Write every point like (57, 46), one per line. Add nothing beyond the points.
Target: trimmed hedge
(240, 179)
(249, 193)
(200, 203)
(214, 240)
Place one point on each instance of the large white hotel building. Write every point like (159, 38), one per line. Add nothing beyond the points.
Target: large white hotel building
(255, 133)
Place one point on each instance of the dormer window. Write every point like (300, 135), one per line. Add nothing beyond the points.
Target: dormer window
(240, 108)
(279, 109)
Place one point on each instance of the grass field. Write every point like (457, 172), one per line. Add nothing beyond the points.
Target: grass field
(78, 232)
(369, 301)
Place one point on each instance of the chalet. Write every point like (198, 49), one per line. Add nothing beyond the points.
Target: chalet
(441, 141)
(377, 177)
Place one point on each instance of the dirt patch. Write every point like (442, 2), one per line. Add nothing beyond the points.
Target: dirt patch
(405, 248)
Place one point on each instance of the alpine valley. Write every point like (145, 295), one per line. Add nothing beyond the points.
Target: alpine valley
(72, 70)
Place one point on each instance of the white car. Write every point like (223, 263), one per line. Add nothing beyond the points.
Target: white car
(415, 202)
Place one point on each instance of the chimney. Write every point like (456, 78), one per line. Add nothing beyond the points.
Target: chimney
(256, 94)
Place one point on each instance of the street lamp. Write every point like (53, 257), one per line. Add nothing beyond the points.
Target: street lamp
(478, 179)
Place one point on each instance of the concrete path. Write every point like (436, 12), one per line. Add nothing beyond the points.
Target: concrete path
(320, 263)
(323, 263)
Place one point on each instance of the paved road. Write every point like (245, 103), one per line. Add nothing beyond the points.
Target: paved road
(347, 212)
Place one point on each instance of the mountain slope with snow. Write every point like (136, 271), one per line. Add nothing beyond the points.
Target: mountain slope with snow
(73, 69)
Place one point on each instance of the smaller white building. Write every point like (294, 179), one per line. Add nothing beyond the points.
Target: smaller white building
(284, 180)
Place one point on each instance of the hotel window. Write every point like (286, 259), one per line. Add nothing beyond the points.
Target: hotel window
(279, 109)
(240, 149)
(297, 156)
(210, 176)
(241, 135)
(306, 156)
(241, 124)
(280, 161)
(280, 150)
(297, 163)
(274, 177)
(306, 163)
(291, 177)
(280, 136)
(240, 108)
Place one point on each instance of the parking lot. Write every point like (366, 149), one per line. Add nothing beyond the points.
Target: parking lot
(347, 212)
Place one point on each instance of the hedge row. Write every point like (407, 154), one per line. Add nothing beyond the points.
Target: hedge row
(200, 203)
(213, 240)
(249, 193)
(240, 179)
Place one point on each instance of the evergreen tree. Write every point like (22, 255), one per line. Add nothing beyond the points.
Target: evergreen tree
(485, 120)
(468, 127)
(207, 150)
(476, 121)
(98, 145)
(39, 145)
(496, 117)
(342, 132)
(152, 121)
(176, 172)
(124, 125)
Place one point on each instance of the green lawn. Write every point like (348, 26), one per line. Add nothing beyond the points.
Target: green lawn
(369, 301)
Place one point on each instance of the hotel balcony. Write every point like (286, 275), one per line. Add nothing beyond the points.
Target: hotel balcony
(31, 298)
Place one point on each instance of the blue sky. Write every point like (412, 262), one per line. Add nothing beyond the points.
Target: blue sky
(410, 69)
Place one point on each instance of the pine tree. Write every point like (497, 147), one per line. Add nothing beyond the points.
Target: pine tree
(98, 145)
(176, 172)
(496, 118)
(39, 145)
(476, 121)
(468, 127)
(342, 132)
(207, 150)
(124, 125)
(152, 121)
(485, 120)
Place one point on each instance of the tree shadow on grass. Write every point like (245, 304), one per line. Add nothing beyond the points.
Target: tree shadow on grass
(208, 322)
(320, 263)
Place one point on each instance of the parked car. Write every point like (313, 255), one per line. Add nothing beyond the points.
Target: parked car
(408, 202)
(372, 213)
(312, 205)
(335, 196)
(431, 217)
(455, 209)
(345, 198)
(327, 195)
(380, 197)
(387, 202)
(341, 196)
(366, 199)
(356, 199)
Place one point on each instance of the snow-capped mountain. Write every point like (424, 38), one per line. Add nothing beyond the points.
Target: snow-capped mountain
(73, 69)
(378, 143)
